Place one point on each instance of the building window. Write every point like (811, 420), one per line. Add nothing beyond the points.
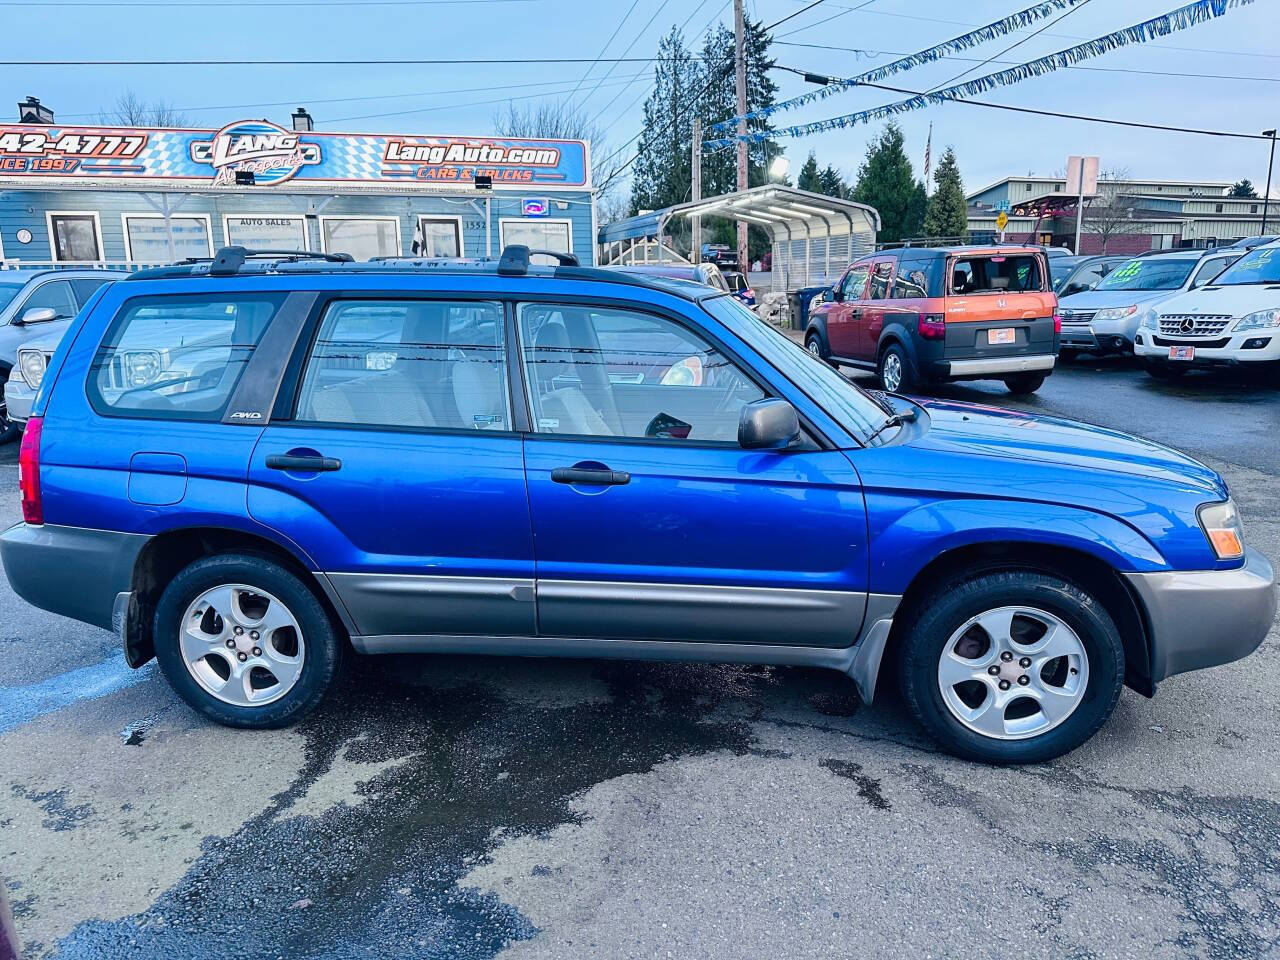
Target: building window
(75, 236)
(266, 232)
(1030, 188)
(362, 237)
(148, 240)
(1253, 208)
(538, 235)
(1217, 208)
(438, 237)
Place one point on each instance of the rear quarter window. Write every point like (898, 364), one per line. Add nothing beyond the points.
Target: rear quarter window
(178, 357)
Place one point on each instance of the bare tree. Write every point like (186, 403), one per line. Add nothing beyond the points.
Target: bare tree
(130, 110)
(1109, 212)
(560, 120)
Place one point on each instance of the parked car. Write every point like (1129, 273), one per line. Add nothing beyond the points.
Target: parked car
(386, 443)
(920, 315)
(1105, 319)
(721, 254)
(740, 287)
(704, 273)
(1233, 321)
(1248, 243)
(36, 303)
(1072, 275)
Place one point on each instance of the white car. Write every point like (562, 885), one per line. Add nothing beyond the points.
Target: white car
(1234, 321)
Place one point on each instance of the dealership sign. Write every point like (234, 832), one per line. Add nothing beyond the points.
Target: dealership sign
(256, 155)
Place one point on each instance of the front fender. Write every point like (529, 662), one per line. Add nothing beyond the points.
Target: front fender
(907, 534)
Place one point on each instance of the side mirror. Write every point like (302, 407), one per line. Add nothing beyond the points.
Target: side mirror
(832, 294)
(37, 315)
(768, 425)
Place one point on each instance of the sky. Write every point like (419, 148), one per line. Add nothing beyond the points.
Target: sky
(1229, 71)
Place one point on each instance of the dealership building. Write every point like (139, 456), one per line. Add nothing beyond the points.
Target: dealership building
(144, 195)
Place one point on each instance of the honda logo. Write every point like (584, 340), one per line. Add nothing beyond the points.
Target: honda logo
(1001, 303)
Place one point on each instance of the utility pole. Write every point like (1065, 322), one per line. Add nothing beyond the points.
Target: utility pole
(696, 241)
(1266, 197)
(740, 79)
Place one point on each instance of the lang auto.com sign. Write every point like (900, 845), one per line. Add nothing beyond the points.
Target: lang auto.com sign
(257, 154)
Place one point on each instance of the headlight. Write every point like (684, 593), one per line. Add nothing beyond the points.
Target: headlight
(1261, 320)
(31, 363)
(1115, 313)
(1150, 320)
(1221, 524)
(141, 367)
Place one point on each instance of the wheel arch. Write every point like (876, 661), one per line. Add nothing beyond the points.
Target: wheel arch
(167, 553)
(896, 334)
(1084, 569)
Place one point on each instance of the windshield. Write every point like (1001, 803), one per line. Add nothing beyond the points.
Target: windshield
(1149, 273)
(7, 292)
(848, 404)
(1260, 265)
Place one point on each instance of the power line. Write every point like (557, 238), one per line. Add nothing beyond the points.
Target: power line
(613, 35)
(791, 16)
(354, 62)
(1074, 66)
(257, 3)
(633, 42)
(835, 16)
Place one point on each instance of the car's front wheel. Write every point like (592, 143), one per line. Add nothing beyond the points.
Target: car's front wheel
(817, 346)
(1011, 666)
(245, 641)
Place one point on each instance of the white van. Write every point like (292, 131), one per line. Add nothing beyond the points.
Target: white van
(1233, 321)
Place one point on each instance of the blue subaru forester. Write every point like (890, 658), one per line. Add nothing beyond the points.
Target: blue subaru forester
(249, 466)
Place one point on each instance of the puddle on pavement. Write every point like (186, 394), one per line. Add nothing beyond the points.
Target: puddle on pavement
(451, 771)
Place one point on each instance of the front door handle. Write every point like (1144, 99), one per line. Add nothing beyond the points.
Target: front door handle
(303, 464)
(854, 314)
(588, 476)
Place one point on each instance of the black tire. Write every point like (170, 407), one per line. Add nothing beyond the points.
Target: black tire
(1068, 356)
(322, 655)
(931, 623)
(1164, 371)
(901, 373)
(1023, 384)
(816, 344)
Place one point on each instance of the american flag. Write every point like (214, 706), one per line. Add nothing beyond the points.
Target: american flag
(928, 147)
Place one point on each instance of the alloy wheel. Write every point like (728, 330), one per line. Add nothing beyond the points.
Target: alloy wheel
(1013, 672)
(242, 645)
(891, 372)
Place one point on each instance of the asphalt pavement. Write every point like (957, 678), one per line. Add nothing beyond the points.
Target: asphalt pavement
(474, 807)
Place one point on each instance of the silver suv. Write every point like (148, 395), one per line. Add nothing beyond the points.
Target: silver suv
(36, 305)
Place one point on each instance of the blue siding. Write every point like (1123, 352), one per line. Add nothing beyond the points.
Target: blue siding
(27, 208)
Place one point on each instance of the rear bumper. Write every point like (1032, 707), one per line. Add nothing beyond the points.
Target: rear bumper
(1206, 618)
(71, 571)
(1001, 366)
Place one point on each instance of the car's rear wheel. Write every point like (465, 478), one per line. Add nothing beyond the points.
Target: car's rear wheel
(894, 370)
(1012, 666)
(245, 641)
(1023, 384)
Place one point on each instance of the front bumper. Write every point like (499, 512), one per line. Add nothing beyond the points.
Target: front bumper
(71, 571)
(1155, 346)
(1205, 618)
(19, 398)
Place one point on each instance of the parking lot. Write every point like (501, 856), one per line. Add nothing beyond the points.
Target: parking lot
(470, 807)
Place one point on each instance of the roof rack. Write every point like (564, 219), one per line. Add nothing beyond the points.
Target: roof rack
(514, 261)
(228, 260)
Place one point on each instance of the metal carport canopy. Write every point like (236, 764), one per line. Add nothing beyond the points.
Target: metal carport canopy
(792, 217)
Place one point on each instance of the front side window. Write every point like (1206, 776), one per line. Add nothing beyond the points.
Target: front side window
(56, 295)
(1149, 273)
(75, 237)
(363, 238)
(87, 287)
(855, 282)
(1210, 270)
(180, 357)
(408, 364)
(608, 372)
(147, 238)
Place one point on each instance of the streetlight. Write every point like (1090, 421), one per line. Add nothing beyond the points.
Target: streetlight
(779, 166)
(1266, 199)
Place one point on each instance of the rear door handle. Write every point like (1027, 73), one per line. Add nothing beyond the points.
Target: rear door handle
(590, 477)
(303, 464)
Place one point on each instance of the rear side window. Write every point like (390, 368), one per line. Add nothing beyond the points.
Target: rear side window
(917, 279)
(1006, 273)
(178, 358)
(408, 364)
(879, 287)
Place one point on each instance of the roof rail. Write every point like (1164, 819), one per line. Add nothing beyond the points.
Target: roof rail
(514, 261)
(228, 260)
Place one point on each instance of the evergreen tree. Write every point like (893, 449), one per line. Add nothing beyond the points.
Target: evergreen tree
(809, 178)
(664, 168)
(947, 212)
(1244, 190)
(833, 184)
(887, 182)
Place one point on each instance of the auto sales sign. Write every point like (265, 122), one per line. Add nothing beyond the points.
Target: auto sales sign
(259, 155)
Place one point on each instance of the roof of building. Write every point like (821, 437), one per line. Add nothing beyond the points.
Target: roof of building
(1032, 177)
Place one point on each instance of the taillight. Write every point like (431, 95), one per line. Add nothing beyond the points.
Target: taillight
(29, 472)
(1057, 322)
(932, 326)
